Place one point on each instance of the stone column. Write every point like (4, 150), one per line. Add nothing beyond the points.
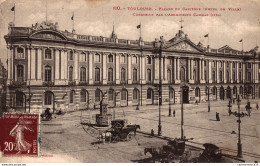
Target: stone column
(129, 69)
(188, 69)
(9, 57)
(191, 70)
(39, 64)
(199, 69)
(178, 69)
(237, 80)
(142, 68)
(33, 65)
(117, 69)
(57, 65)
(224, 72)
(256, 73)
(217, 71)
(210, 72)
(166, 60)
(29, 65)
(91, 67)
(156, 70)
(104, 66)
(76, 67)
(244, 72)
(63, 64)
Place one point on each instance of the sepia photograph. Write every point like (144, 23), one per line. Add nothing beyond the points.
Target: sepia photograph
(129, 81)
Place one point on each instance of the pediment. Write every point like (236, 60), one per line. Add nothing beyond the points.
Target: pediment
(183, 46)
(48, 35)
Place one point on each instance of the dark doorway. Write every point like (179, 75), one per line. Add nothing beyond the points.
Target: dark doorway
(221, 93)
(185, 94)
(228, 92)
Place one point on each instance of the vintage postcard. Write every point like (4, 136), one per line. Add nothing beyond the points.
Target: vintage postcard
(130, 81)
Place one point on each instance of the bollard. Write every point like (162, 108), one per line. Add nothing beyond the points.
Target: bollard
(217, 116)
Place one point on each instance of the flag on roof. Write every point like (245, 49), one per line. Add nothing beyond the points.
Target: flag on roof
(138, 26)
(207, 35)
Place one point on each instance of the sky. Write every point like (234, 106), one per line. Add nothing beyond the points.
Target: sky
(96, 17)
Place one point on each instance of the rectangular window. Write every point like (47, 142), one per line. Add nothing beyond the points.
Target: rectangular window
(97, 74)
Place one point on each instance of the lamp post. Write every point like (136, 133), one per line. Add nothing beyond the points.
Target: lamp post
(239, 115)
(208, 89)
(160, 86)
(229, 107)
(182, 122)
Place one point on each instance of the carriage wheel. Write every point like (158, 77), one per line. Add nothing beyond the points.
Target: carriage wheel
(91, 131)
(130, 135)
(116, 138)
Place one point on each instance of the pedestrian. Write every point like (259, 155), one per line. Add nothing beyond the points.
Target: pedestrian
(217, 116)
(108, 137)
(257, 106)
(173, 113)
(104, 138)
(152, 133)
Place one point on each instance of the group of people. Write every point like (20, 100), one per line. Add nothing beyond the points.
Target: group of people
(105, 136)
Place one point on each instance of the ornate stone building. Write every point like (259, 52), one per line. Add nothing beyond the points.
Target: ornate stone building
(62, 70)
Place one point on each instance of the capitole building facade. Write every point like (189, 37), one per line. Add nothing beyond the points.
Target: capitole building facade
(49, 68)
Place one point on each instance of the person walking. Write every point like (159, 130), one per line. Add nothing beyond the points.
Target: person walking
(257, 106)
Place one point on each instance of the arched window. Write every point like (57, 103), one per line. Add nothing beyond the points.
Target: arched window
(234, 90)
(194, 75)
(20, 73)
(123, 74)
(123, 59)
(110, 74)
(47, 71)
(124, 94)
(82, 57)
(70, 73)
(48, 98)
(240, 76)
(82, 74)
(135, 94)
(149, 93)
(220, 76)
(227, 76)
(71, 55)
(234, 76)
(71, 96)
(169, 78)
(110, 58)
(241, 90)
(213, 77)
(98, 95)
(20, 99)
(97, 58)
(214, 90)
(111, 95)
(171, 93)
(83, 95)
(135, 75)
(20, 53)
(149, 60)
(149, 75)
(135, 59)
(48, 54)
(197, 92)
(97, 74)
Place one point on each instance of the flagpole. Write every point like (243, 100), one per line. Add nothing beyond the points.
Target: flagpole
(46, 10)
(208, 40)
(14, 14)
(73, 22)
(141, 64)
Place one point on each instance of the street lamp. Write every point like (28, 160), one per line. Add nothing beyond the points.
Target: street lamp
(208, 89)
(182, 122)
(160, 86)
(229, 107)
(239, 115)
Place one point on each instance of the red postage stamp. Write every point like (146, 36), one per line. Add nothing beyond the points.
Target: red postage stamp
(20, 134)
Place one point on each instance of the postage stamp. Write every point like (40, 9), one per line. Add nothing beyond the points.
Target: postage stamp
(20, 134)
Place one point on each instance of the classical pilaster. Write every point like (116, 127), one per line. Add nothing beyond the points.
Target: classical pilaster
(175, 69)
(156, 70)
(104, 66)
(166, 62)
(90, 64)
(224, 72)
(129, 69)
(142, 68)
(210, 72)
(178, 70)
(202, 71)
(117, 69)
(244, 72)
(39, 64)
(29, 55)
(57, 65)
(76, 67)
(256, 73)
(191, 71)
(33, 65)
(9, 58)
(217, 71)
(237, 80)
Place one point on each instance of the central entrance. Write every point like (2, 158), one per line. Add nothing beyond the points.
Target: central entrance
(185, 94)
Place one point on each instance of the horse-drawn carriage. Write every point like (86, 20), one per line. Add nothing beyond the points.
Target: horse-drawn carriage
(173, 152)
(120, 131)
(46, 115)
